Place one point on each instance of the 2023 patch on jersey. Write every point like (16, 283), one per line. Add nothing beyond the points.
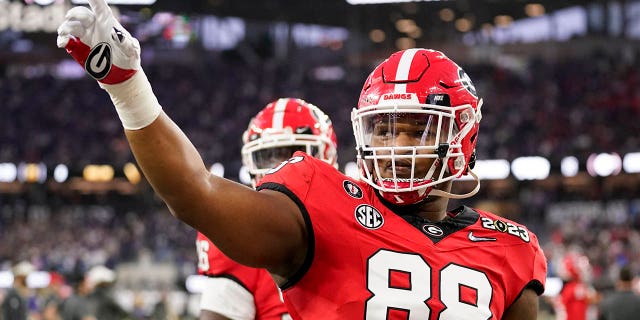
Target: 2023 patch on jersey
(366, 262)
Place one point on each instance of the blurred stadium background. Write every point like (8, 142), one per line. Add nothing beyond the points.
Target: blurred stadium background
(559, 148)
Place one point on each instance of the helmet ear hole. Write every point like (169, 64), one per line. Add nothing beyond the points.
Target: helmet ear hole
(304, 130)
(254, 136)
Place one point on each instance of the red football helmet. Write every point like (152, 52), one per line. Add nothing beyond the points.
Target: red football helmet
(283, 127)
(575, 266)
(416, 126)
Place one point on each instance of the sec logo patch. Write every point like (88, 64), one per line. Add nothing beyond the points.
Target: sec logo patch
(369, 217)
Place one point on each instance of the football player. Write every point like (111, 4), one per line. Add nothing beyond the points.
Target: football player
(577, 294)
(284, 126)
(381, 247)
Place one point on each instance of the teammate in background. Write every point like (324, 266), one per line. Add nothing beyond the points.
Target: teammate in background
(284, 126)
(576, 294)
(623, 303)
(381, 247)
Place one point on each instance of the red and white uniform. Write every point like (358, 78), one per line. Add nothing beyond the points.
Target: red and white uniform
(236, 291)
(575, 300)
(577, 294)
(367, 262)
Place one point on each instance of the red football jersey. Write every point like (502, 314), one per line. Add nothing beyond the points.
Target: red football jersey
(367, 262)
(574, 298)
(213, 263)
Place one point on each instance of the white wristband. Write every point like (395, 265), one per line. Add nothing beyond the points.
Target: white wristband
(134, 100)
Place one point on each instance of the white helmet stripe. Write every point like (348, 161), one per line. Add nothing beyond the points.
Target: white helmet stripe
(403, 70)
(278, 113)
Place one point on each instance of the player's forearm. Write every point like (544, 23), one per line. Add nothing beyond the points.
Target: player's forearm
(170, 163)
(245, 223)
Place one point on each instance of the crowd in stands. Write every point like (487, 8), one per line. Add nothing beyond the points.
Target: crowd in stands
(70, 238)
(574, 106)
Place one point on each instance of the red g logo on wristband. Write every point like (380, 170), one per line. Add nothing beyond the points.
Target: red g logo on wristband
(98, 62)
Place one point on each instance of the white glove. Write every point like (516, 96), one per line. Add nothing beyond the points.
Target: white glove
(109, 54)
(99, 43)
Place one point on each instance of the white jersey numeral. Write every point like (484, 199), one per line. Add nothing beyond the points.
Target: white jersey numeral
(284, 163)
(411, 298)
(202, 246)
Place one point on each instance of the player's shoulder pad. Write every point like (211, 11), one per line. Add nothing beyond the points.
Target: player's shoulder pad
(500, 225)
(295, 174)
(300, 163)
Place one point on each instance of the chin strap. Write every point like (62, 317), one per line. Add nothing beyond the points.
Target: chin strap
(440, 193)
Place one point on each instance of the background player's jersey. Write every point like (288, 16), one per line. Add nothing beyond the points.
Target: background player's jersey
(574, 300)
(258, 282)
(367, 262)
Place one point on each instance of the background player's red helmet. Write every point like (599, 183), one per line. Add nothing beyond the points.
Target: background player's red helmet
(426, 85)
(575, 266)
(283, 127)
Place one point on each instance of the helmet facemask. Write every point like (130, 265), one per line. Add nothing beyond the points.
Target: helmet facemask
(283, 127)
(423, 90)
(405, 151)
(277, 145)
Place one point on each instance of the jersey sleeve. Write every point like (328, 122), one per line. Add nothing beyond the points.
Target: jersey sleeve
(531, 264)
(215, 264)
(236, 291)
(203, 246)
(292, 176)
(539, 267)
(526, 260)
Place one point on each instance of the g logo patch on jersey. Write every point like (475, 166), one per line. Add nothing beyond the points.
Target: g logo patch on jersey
(352, 189)
(433, 230)
(369, 217)
(98, 62)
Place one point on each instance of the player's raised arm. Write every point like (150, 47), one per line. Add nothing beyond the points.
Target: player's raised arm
(262, 229)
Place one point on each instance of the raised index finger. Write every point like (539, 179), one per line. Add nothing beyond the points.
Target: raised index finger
(101, 9)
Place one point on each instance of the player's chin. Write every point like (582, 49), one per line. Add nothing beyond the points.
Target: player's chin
(430, 198)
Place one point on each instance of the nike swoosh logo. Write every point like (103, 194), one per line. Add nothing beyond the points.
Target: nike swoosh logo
(479, 239)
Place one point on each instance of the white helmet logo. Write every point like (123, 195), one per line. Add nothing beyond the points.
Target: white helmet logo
(467, 83)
